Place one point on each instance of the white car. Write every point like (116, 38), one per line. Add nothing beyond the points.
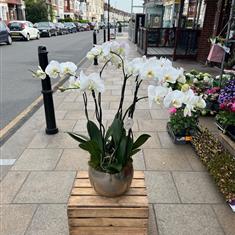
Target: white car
(23, 30)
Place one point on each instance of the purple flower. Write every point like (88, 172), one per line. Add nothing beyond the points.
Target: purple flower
(227, 94)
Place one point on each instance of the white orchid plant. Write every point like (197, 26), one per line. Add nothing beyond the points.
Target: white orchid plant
(112, 149)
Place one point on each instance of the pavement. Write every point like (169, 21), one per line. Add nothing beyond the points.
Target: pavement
(39, 170)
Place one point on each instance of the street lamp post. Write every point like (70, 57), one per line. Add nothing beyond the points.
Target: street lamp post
(108, 21)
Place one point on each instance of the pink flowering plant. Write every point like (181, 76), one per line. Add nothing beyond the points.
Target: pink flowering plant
(181, 125)
(226, 115)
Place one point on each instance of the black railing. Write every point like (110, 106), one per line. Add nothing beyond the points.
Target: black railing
(184, 42)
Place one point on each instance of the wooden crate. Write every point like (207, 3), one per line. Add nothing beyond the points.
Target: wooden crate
(91, 214)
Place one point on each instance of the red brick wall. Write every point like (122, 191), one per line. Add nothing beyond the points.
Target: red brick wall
(207, 31)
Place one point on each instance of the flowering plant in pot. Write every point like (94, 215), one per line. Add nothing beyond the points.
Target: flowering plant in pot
(226, 116)
(111, 150)
(184, 107)
(211, 97)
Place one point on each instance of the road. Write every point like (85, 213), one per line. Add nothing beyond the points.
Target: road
(17, 86)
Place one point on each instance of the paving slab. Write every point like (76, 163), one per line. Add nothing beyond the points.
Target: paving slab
(187, 220)
(62, 140)
(73, 159)
(15, 218)
(11, 184)
(165, 140)
(138, 161)
(46, 187)
(194, 161)
(161, 187)
(152, 227)
(49, 220)
(40, 140)
(152, 125)
(166, 159)
(197, 187)
(3, 171)
(159, 114)
(77, 115)
(38, 159)
(226, 218)
(152, 142)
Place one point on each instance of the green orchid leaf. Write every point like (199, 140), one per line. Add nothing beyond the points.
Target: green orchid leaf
(95, 133)
(95, 152)
(121, 151)
(140, 141)
(78, 137)
(114, 167)
(117, 131)
(133, 152)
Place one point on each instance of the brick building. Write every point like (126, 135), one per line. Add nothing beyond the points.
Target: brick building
(216, 17)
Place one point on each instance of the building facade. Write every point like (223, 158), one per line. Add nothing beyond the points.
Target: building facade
(115, 15)
(95, 10)
(12, 10)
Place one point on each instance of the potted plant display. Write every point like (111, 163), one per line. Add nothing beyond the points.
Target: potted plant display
(226, 116)
(111, 149)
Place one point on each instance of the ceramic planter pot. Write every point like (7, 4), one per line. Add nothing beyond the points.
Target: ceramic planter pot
(111, 185)
(178, 139)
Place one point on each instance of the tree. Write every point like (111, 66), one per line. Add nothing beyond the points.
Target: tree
(36, 11)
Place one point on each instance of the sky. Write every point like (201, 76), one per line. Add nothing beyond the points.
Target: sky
(126, 5)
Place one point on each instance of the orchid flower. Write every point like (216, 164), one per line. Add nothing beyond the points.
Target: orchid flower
(68, 68)
(74, 82)
(169, 75)
(53, 69)
(164, 62)
(149, 70)
(174, 98)
(91, 82)
(181, 78)
(157, 93)
(39, 73)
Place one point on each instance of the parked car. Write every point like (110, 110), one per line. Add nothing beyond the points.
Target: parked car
(5, 34)
(79, 26)
(92, 25)
(85, 27)
(23, 30)
(47, 29)
(61, 29)
(71, 27)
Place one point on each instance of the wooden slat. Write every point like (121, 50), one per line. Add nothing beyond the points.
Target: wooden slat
(108, 222)
(92, 192)
(107, 231)
(92, 214)
(108, 212)
(84, 175)
(85, 183)
(98, 201)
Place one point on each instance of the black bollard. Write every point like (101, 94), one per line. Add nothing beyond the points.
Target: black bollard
(104, 35)
(47, 94)
(94, 38)
(94, 43)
